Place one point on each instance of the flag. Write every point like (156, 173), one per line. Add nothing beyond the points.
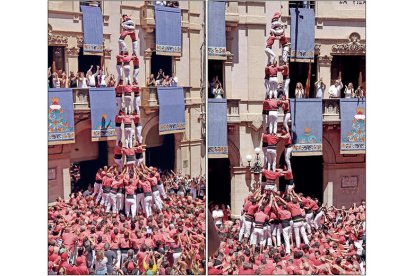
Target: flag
(307, 87)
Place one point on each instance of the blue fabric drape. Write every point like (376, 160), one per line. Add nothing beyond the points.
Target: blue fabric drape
(216, 28)
(306, 115)
(168, 31)
(171, 116)
(302, 34)
(103, 111)
(61, 127)
(353, 136)
(217, 128)
(92, 30)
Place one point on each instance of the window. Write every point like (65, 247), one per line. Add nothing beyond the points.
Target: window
(301, 4)
(85, 61)
(215, 70)
(56, 54)
(90, 3)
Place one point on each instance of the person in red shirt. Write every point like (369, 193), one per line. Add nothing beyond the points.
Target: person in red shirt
(264, 144)
(286, 80)
(120, 195)
(128, 29)
(128, 99)
(106, 186)
(97, 187)
(127, 120)
(273, 69)
(265, 112)
(137, 97)
(288, 175)
(130, 199)
(129, 156)
(139, 158)
(118, 155)
(271, 56)
(287, 140)
(119, 90)
(271, 177)
(284, 216)
(119, 69)
(286, 111)
(258, 234)
(249, 219)
(135, 61)
(146, 187)
(112, 196)
(138, 127)
(266, 81)
(273, 111)
(118, 125)
(285, 47)
(272, 140)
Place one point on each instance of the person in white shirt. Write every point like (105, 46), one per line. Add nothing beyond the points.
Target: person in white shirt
(335, 89)
(161, 3)
(320, 88)
(218, 91)
(103, 73)
(299, 91)
(174, 80)
(91, 77)
(349, 91)
(218, 216)
(82, 80)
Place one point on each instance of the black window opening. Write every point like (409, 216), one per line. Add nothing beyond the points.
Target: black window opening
(301, 4)
(161, 62)
(85, 62)
(215, 70)
(299, 73)
(219, 184)
(162, 157)
(351, 69)
(55, 61)
(90, 4)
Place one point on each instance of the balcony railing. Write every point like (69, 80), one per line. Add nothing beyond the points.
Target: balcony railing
(233, 111)
(149, 97)
(330, 110)
(81, 99)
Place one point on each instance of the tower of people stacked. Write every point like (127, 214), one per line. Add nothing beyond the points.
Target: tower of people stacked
(128, 151)
(276, 100)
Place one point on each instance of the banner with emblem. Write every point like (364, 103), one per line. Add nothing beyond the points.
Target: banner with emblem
(61, 123)
(172, 110)
(168, 31)
(216, 30)
(306, 116)
(103, 112)
(302, 35)
(353, 120)
(92, 24)
(217, 128)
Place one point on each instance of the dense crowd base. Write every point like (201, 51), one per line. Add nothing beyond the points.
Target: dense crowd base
(290, 234)
(85, 238)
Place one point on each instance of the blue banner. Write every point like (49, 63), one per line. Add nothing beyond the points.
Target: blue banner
(172, 116)
(103, 112)
(217, 128)
(353, 135)
(306, 115)
(302, 35)
(61, 126)
(92, 30)
(216, 28)
(168, 31)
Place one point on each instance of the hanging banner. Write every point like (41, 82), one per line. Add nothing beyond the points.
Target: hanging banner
(61, 126)
(216, 29)
(103, 112)
(171, 115)
(92, 30)
(353, 121)
(302, 35)
(217, 128)
(168, 31)
(306, 115)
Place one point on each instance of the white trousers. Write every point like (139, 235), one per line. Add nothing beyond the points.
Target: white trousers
(118, 162)
(317, 221)
(267, 86)
(127, 102)
(286, 237)
(285, 53)
(127, 74)
(193, 193)
(122, 45)
(271, 159)
(128, 137)
(135, 47)
(265, 122)
(270, 55)
(267, 235)
(176, 256)
(162, 191)
(147, 205)
(135, 75)
(138, 133)
(242, 228)
(286, 87)
(264, 149)
(286, 119)
(140, 202)
(111, 203)
(131, 206)
(288, 154)
(273, 121)
(97, 190)
(308, 222)
(118, 104)
(277, 232)
(120, 198)
(257, 236)
(272, 87)
(118, 131)
(157, 200)
(298, 227)
(137, 102)
(120, 72)
(247, 228)
(105, 199)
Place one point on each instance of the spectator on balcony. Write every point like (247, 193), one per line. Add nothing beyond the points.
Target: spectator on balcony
(56, 81)
(166, 81)
(151, 82)
(161, 3)
(73, 82)
(91, 77)
(359, 93)
(64, 80)
(299, 91)
(112, 81)
(82, 80)
(173, 4)
(102, 75)
(174, 80)
(218, 91)
(335, 89)
(349, 91)
(160, 76)
(320, 88)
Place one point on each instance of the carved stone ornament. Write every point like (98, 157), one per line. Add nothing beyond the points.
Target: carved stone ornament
(80, 41)
(354, 47)
(317, 49)
(148, 53)
(57, 40)
(72, 52)
(107, 52)
(325, 60)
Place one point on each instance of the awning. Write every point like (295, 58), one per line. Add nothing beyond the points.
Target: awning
(103, 112)
(61, 124)
(302, 35)
(306, 115)
(217, 128)
(353, 120)
(171, 115)
(92, 30)
(216, 29)
(168, 31)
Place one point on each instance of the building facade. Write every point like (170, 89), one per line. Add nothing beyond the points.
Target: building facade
(183, 152)
(339, 52)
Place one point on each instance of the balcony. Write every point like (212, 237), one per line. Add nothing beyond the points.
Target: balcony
(149, 97)
(330, 111)
(81, 101)
(233, 111)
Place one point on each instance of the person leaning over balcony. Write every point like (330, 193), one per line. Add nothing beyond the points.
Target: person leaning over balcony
(91, 77)
(166, 81)
(174, 80)
(218, 91)
(299, 91)
(335, 89)
(320, 88)
(64, 80)
(160, 76)
(349, 90)
(359, 92)
(102, 74)
(151, 81)
(111, 81)
(73, 82)
(56, 81)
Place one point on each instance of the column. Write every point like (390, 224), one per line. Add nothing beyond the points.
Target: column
(241, 181)
(147, 62)
(324, 71)
(72, 55)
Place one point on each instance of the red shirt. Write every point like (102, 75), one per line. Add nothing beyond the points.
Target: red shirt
(274, 104)
(283, 40)
(294, 209)
(273, 70)
(152, 180)
(272, 139)
(118, 119)
(117, 150)
(266, 105)
(135, 61)
(119, 89)
(98, 176)
(284, 214)
(288, 175)
(287, 139)
(139, 149)
(127, 119)
(267, 73)
(261, 217)
(246, 272)
(247, 205)
(285, 106)
(130, 189)
(270, 40)
(146, 186)
(136, 119)
(252, 209)
(128, 151)
(135, 89)
(107, 181)
(285, 70)
(271, 175)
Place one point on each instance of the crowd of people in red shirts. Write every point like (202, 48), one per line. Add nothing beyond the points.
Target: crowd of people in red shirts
(85, 237)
